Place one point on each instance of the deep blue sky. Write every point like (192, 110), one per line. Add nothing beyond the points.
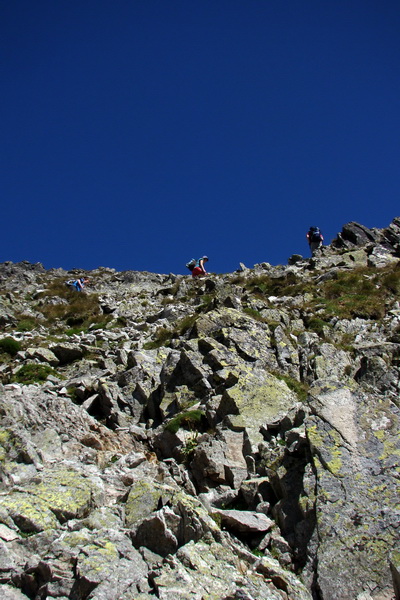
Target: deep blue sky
(139, 133)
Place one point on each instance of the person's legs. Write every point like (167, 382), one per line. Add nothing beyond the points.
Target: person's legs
(314, 246)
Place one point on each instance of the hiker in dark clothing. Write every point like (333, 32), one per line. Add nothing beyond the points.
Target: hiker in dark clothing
(315, 239)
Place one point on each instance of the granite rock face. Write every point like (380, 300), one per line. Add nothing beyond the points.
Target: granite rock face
(230, 438)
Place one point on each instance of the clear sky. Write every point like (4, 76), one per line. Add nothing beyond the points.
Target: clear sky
(137, 134)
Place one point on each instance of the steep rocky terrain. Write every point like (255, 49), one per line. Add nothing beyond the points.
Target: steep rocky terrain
(232, 438)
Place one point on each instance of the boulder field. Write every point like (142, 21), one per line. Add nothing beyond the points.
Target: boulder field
(234, 437)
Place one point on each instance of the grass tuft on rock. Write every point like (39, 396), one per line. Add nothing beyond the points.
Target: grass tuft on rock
(33, 373)
(27, 324)
(10, 346)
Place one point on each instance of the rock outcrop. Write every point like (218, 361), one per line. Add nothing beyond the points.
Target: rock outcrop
(234, 437)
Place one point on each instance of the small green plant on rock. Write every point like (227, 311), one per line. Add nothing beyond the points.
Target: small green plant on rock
(175, 288)
(162, 338)
(254, 314)
(185, 324)
(362, 293)
(207, 302)
(264, 285)
(167, 300)
(74, 331)
(298, 387)
(346, 343)
(73, 394)
(190, 419)
(391, 281)
(317, 325)
(190, 446)
(100, 324)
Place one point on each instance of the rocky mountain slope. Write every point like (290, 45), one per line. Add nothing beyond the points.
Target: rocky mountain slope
(233, 438)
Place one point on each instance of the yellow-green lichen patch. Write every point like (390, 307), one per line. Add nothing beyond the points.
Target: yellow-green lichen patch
(143, 499)
(390, 449)
(328, 443)
(162, 356)
(380, 434)
(306, 504)
(395, 557)
(75, 539)
(334, 466)
(67, 493)
(4, 436)
(6, 440)
(314, 436)
(30, 514)
(256, 400)
(98, 561)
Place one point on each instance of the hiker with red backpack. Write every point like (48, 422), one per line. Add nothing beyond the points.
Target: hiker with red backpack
(197, 266)
(315, 239)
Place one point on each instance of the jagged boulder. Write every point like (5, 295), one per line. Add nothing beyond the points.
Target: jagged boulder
(60, 495)
(219, 459)
(30, 514)
(353, 443)
(245, 521)
(354, 234)
(43, 355)
(181, 519)
(395, 569)
(66, 352)
(109, 568)
(381, 257)
(144, 498)
(392, 233)
(250, 339)
(11, 593)
(258, 399)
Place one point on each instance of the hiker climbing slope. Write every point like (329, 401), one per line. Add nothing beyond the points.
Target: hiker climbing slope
(77, 284)
(197, 266)
(315, 239)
